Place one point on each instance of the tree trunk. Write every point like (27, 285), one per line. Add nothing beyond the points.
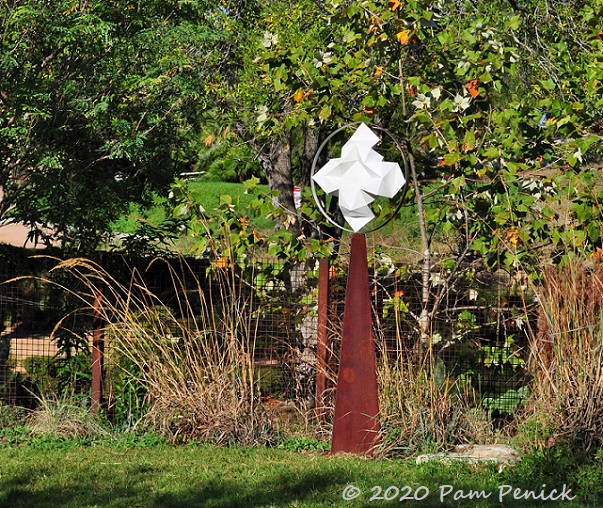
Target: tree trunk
(278, 170)
(313, 137)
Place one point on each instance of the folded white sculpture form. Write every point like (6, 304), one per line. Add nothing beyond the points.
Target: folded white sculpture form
(359, 176)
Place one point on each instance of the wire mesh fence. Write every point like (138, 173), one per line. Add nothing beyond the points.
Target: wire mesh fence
(473, 326)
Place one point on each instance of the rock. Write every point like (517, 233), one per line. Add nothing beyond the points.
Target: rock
(501, 454)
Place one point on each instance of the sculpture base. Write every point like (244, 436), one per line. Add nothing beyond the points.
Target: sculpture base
(356, 427)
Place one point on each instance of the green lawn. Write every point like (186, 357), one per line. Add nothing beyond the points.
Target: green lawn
(400, 235)
(211, 192)
(206, 476)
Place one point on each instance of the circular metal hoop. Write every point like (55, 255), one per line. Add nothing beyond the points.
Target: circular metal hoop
(403, 190)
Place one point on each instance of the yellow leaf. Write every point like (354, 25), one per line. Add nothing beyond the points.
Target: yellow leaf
(74, 8)
(404, 36)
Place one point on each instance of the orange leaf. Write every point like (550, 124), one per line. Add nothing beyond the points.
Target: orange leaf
(332, 272)
(598, 254)
(299, 95)
(472, 87)
(223, 262)
(404, 36)
(411, 91)
(513, 236)
(393, 4)
(209, 140)
(379, 70)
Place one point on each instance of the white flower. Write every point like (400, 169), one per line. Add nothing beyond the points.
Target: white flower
(324, 57)
(578, 154)
(464, 64)
(422, 101)
(461, 103)
(519, 322)
(498, 46)
(270, 39)
(435, 93)
(437, 280)
(262, 114)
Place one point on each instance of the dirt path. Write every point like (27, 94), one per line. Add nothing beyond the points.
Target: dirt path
(15, 234)
(24, 344)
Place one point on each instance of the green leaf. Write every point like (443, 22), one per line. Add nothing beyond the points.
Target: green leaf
(450, 159)
(251, 184)
(548, 84)
(469, 140)
(514, 23)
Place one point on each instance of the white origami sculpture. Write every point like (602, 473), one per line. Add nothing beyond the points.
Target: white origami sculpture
(359, 176)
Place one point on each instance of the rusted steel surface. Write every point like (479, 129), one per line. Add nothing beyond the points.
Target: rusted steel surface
(98, 353)
(322, 345)
(356, 427)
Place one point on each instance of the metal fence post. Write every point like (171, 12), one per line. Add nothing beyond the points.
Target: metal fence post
(322, 345)
(98, 350)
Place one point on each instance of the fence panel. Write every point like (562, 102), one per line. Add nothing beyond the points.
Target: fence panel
(477, 330)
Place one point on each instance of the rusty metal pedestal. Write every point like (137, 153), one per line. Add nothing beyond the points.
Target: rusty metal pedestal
(356, 427)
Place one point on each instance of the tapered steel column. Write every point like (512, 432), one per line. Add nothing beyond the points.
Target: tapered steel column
(356, 427)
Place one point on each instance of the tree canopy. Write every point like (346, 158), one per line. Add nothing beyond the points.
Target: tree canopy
(99, 105)
(497, 104)
(485, 97)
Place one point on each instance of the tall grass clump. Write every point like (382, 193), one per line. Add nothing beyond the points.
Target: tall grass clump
(63, 416)
(566, 357)
(422, 408)
(191, 360)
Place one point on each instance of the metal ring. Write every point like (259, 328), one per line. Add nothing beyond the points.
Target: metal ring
(403, 190)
